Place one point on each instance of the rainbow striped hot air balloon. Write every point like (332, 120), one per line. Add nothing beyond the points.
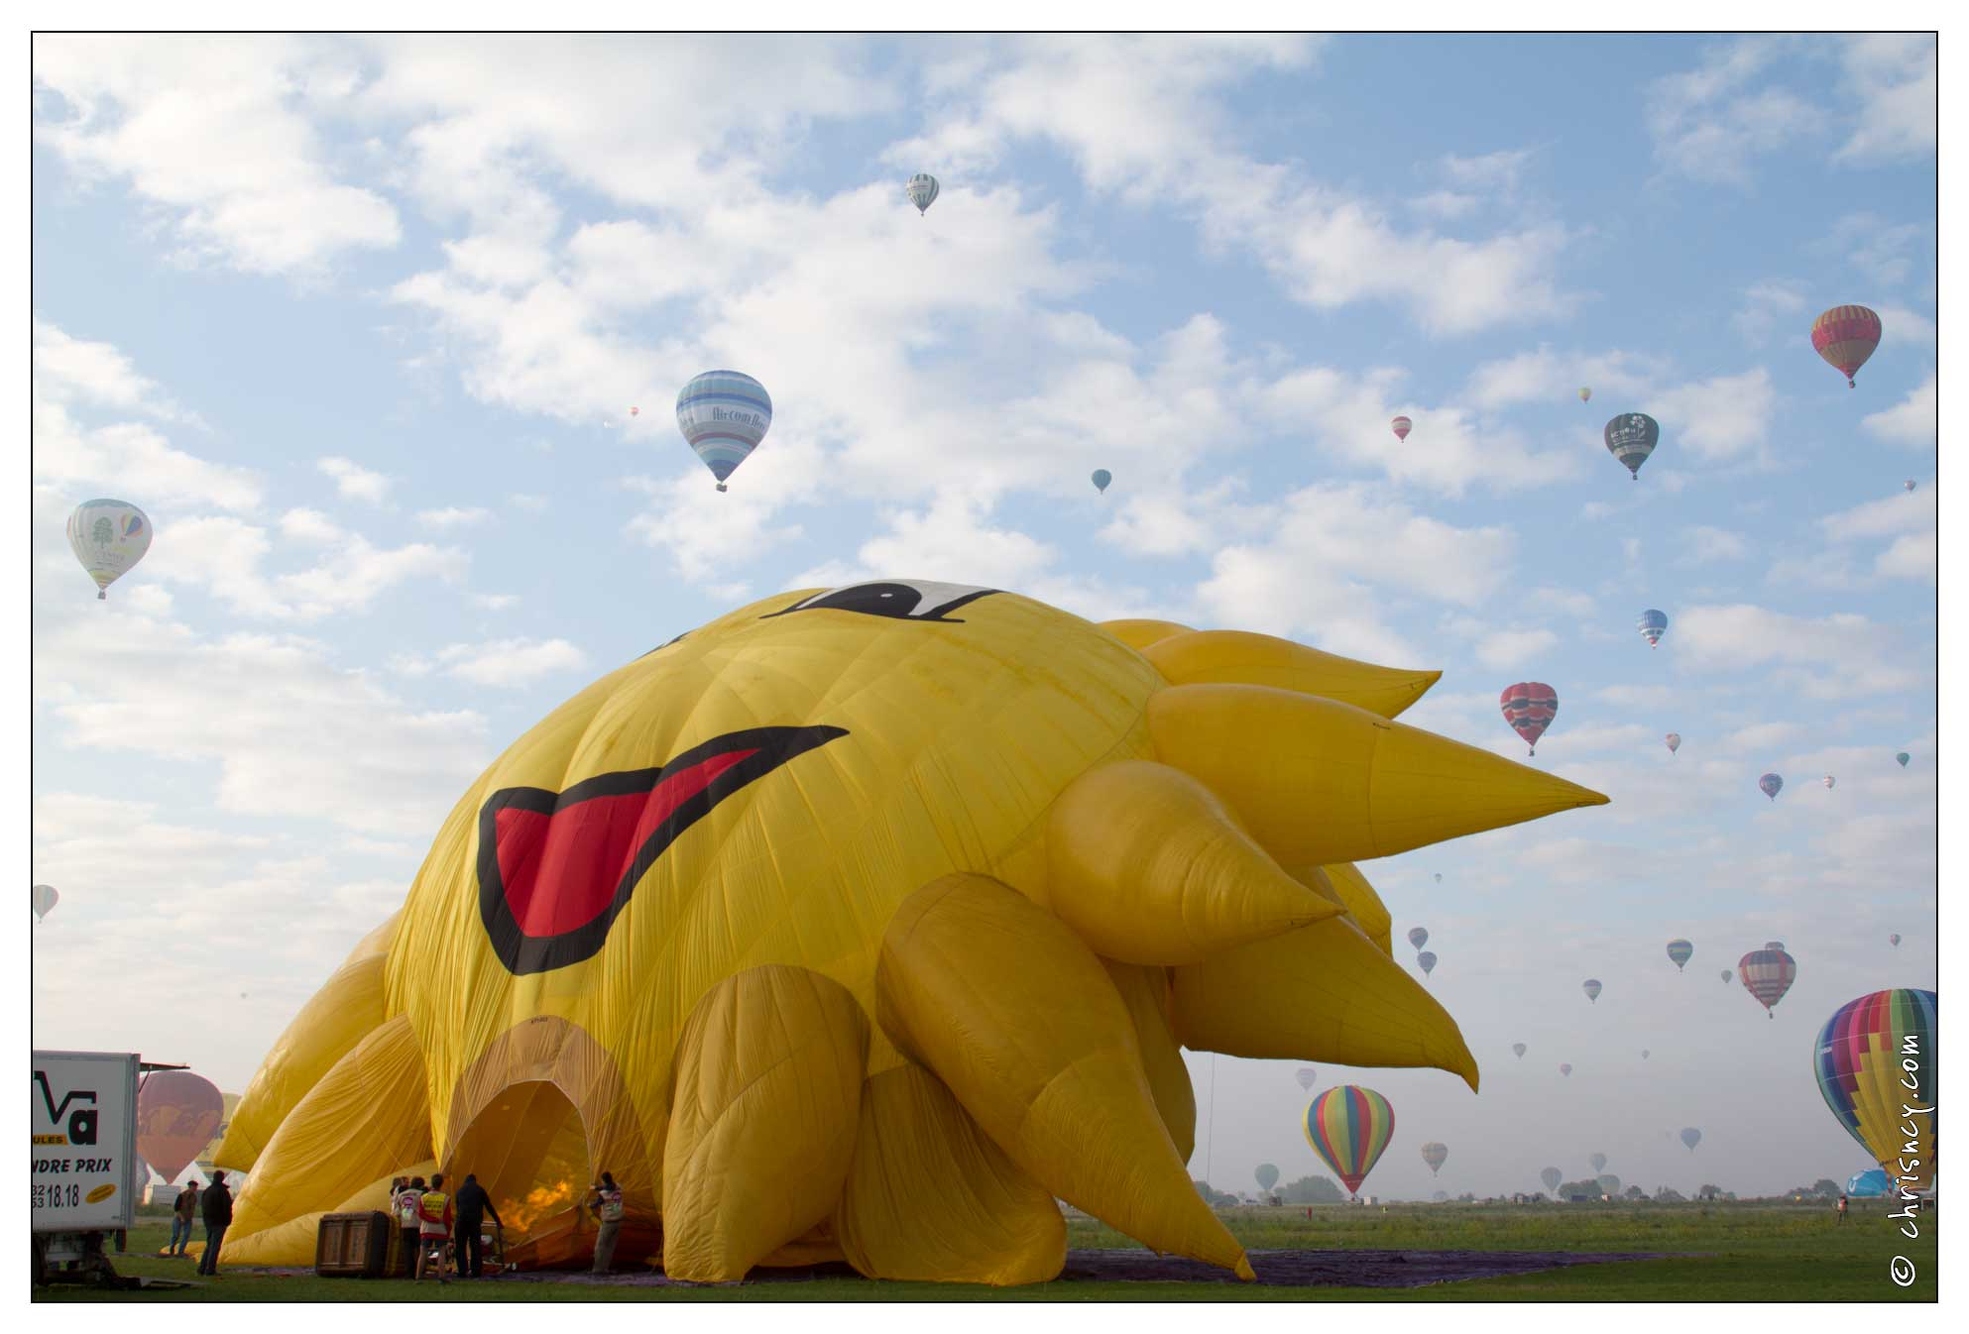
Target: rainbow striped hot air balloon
(1680, 952)
(1875, 1060)
(1401, 426)
(1652, 625)
(1767, 974)
(1435, 1155)
(1529, 707)
(1348, 1128)
(1846, 336)
(724, 415)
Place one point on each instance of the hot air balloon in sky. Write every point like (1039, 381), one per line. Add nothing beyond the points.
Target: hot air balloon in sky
(44, 899)
(1901, 758)
(1401, 426)
(1875, 1059)
(1551, 1176)
(1266, 1177)
(1529, 707)
(1829, 781)
(1565, 1068)
(1644, 1053)
(1591, 986)
(1680, 952)
(1631, 437)
(1770, 785)
(1101, 477)
(1439, 874)
(1895, 940)
(108, 537)
(1846, 336)
(1610, 1184)
(1307, 1077)
(1348, 1128)
(1435, 1155)
(1727, 975)
(1418, 936)
(1426, 961)
(1767, 974)
(1691, 1137)
(1908, 485)
(923, 191)
(1599, 1161)
(635, 412)
(724, 415)
(1585, 393)
(1652, 625)
(1674, 740)
(177, 1113)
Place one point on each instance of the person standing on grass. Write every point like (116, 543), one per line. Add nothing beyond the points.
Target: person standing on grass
(607, 1205)
(473, 1205)
(215, 1205)
(405, 1206)
(1842, 1208)
(184, 1211)
(434, 1218)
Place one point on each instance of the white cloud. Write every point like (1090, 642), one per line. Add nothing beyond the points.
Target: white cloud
(1703, 544)
(1719, 419)
(500, 663)
(354, 482)
(1766, 305)
(1508, 650)
(215, 132)
(1840, 656)
(1911, 557)
(495, 601)
(231, 558)
(451, 516)
(1911, 422)
(71, 370)
(1893, 76)
(1552, 377)
(1890, 517)
(1708, 122)
(310, 526)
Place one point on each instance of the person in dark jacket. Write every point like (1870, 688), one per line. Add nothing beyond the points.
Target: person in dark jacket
(215, 1206)
(473, 1206)
(183, 1211)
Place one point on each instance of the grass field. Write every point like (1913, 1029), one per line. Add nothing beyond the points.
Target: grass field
(1728, 1252)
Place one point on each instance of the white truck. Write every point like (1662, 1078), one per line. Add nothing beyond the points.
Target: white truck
(84, 1162)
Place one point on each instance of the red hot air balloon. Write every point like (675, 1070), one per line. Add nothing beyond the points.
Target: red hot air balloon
(1401, 426)
(177, 1114)
(1529, 707)
(1846, 336)
(1767, 974)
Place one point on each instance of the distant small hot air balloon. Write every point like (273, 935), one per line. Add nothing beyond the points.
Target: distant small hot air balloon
(1674, 740)
(1644, 1053)
(1599, 1161)
(1691, 1137)
(1828, 780)
(1101, 478)
(1652, 625)
(1585, 394)
(1518, 1049)
(1439, 874)
(1609, 1184)
(1631, 437)
(1307, 1077)
(1680, 952)
(635, 412)
(1426, 961)
(1591, 986)
(43, 900)
(923, 192)
(1900, 758)
(1435, 1155)
(1565, 1068)
(1418, 936)
(1770, 785)
(1266, 1177)
(1551, 1176)
(1726, 977)
(1348, 1128)
(1895, 940)
(1401, 427)
(724, 415)
(1846, 336)
(1876, 1058)
(1767, 974)
(1529, 707)
(109, 537)
(1908, 485)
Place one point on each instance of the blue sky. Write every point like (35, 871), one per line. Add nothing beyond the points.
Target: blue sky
(358, 323)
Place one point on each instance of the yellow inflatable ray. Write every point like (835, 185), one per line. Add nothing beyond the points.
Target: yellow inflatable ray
(992, 861)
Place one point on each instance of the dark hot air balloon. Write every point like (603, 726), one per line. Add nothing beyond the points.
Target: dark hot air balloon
(1631, 437)
(1680, 952)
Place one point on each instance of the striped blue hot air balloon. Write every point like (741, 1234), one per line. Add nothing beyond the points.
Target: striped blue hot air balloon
(1680, 952)
(1652, 625)
(923, 191)
(724, 415)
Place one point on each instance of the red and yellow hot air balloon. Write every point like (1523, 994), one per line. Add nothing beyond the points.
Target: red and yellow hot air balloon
(1348, 1128)
(177, 1114)
(1846, 336)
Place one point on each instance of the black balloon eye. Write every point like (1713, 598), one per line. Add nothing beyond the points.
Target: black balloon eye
(899, 600)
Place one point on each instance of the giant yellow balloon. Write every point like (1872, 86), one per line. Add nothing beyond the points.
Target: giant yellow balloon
(864, 924)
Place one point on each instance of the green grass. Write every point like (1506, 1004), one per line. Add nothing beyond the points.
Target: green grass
(1726, 1252)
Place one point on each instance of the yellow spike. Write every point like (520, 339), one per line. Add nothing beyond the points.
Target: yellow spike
(1145, 991)
(347, 1009)
(363, 1119)
(1242, 658)
(1317, 782)
(1012, 1011)
(1147, 865)
(762, 1123)
(929, 1197)
(1322, 993)
(1363, 904)
(1139, 633)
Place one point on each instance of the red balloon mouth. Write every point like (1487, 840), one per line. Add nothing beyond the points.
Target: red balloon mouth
(555, 869)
